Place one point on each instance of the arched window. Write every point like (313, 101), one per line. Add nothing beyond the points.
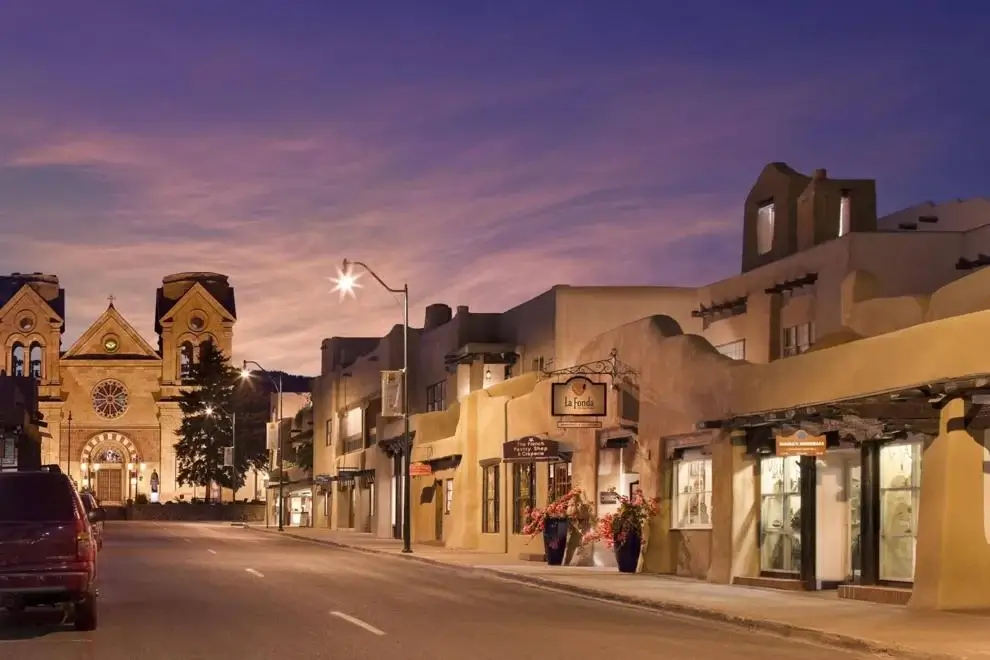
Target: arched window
(204, 346)
(185, 360)
(35, 360)
(17, 360)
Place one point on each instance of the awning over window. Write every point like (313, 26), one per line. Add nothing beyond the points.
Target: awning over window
(675, 444)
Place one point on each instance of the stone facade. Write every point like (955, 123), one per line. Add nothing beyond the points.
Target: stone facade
(111, 399)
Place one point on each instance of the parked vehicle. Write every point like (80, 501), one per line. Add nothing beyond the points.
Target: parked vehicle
(48, 555)
(91, 505)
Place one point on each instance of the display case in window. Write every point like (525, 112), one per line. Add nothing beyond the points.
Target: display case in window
(855, 476)
(780, 514)
(900, 492)
(693, 483)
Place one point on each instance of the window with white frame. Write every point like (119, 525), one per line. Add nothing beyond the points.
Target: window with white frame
(765, 217)
(734, 349)
(448, 496)
(844, 214)
(693, 492)
(797, 339)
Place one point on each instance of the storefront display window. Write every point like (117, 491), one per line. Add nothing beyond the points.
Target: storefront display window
(900, 490)
(490, 492)
(780, 514)
(693, 493)
(523, 494)
(855, 511)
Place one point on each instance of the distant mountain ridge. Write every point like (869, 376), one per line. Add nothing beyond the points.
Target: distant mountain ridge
(290, 382)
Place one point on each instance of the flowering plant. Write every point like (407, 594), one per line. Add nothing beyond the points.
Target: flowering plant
(614, 529)
(572, 506)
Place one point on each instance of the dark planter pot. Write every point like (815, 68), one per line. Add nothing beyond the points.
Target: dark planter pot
(627, 554)
(555, 540)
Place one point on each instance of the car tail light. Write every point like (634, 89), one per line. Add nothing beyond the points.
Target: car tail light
(84, 542)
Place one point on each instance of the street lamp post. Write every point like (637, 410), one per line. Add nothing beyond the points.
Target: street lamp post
(277, 384)
(346, 282)
(233, 453)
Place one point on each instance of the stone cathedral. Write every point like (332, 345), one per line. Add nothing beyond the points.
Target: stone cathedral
(111, 399)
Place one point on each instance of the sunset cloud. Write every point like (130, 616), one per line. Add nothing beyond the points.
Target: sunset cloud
(270, 165)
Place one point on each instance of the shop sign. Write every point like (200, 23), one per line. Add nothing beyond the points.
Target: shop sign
(530, 448)
(420, 470)
(579, 424)
(579, 396)
(801, 443)
(323, 478)
(608, 497)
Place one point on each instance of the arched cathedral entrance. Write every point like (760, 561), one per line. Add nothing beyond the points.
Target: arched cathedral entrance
(110, 465)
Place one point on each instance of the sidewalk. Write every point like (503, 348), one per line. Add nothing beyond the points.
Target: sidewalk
(818, 616)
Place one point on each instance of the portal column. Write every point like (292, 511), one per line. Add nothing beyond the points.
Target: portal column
(952, 570)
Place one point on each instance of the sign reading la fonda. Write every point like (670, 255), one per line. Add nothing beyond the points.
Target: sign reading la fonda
(579, 396)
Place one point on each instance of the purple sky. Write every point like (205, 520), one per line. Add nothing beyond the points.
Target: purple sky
(481, 151)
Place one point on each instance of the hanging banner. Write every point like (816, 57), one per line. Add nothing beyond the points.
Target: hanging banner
(228, 457)
(392, 393)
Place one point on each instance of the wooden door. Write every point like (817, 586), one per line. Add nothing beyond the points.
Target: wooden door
(108, 486)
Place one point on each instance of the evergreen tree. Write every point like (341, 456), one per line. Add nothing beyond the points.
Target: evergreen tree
(208, 409)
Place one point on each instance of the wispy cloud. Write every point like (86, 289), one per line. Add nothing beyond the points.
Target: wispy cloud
(482, 190)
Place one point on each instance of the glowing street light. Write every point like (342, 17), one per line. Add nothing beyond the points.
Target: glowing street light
(346, 282)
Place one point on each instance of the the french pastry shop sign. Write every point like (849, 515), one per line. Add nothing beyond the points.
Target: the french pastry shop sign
(801, 443)
(579, 397)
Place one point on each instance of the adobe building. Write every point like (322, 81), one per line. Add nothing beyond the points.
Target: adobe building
(835, 330)
(358, 431)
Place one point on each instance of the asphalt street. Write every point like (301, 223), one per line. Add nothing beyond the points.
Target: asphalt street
(190, 591)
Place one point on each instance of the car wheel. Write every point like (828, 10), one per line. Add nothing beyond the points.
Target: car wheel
(85, 618)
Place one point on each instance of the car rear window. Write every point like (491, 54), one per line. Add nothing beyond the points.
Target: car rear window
(36, 497)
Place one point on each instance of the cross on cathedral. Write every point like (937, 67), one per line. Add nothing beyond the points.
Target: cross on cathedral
(111, 298)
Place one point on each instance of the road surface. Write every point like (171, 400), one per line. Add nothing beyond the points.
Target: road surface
(190, 591)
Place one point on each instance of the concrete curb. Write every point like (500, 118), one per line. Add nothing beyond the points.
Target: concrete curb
(838, 640)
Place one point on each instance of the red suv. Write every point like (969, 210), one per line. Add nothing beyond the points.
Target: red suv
(47, 550)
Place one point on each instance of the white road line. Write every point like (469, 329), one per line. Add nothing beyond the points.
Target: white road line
(359, 623)
(212, 552)
(254, 572)
(187, 540)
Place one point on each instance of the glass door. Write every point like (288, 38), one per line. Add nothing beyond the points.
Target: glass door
(780, 514)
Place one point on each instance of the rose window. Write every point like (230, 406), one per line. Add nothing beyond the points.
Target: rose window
(110, 399)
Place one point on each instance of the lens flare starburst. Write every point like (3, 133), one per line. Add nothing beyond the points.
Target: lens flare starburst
(346, 282)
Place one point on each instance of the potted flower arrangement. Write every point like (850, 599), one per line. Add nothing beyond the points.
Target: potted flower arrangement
(556, 521)
(623, 530)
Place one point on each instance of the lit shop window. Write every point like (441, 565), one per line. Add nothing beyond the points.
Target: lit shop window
(693, 493)
(780, 514)
(900, 494)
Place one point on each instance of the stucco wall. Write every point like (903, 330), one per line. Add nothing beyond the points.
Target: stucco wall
(680, 380)
(941, 348)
